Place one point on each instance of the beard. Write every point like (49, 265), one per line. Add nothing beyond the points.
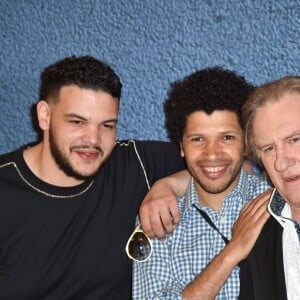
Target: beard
(63, 161)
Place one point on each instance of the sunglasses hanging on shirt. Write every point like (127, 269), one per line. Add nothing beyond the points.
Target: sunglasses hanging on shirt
(139, 245)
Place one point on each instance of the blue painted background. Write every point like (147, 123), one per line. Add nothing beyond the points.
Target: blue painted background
(149, 43)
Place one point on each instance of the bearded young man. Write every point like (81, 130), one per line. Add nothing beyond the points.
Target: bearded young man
(69, 202)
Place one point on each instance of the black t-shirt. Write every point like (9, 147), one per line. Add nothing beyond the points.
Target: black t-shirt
(59, 243)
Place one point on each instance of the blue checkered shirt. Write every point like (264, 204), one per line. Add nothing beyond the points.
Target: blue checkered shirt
(180, 258)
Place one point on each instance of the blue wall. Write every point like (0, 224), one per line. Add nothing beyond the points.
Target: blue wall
(149, 43)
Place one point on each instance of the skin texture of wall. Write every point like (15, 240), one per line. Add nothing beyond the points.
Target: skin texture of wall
(149, 43)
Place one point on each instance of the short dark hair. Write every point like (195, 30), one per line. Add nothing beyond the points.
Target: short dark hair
(83, 71)
(205, 90)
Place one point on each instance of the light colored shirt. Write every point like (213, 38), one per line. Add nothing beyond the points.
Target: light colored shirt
(181, 257)
(281, 211)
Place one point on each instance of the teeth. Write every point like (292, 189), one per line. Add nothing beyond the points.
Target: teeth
(214, 169)
(292, 178)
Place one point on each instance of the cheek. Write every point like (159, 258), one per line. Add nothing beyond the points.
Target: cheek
(232, 153)
(267, 162)
(268, 165)
(65, 137)
(108, 138)
(192, 158)
(237, 148)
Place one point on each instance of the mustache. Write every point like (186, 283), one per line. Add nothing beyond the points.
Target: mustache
(94, 147)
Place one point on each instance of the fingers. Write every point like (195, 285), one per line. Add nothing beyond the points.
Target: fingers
(155, 227)
(158, 219)
(174, 212)
(250, 223)
(169, 217)
(159, 211)
(144, 217)
(258, 206)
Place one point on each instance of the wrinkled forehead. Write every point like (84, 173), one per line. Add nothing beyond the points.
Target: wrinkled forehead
(277, 116)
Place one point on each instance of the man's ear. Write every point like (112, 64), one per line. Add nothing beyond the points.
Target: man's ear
(43, 114)
(181, 150)
(248, 166)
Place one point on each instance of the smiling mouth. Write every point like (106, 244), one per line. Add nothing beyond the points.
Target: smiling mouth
(88, 150)
(214, 169)
(215, 172)
(291, 178)
(88, 155)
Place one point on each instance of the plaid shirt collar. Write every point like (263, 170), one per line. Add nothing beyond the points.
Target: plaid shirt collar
(239, 191)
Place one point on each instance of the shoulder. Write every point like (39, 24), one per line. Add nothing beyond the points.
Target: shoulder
(256, 182)
(271, 228)
(7, 158)
(269, 242)
(251, 185)
(149, 145)
(14, 158)
(149, 150)
(156, 158)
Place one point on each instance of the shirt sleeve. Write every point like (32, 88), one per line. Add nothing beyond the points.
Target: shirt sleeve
(154, 278)
(160, 158)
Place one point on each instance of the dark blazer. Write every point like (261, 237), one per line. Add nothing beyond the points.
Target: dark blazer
(262, 272)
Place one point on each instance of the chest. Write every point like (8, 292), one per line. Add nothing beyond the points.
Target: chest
(72, 246)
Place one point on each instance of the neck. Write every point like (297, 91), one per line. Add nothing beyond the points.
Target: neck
(214, 200)
(296, 214)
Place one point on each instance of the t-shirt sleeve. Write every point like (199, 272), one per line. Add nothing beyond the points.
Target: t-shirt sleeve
(160, 158)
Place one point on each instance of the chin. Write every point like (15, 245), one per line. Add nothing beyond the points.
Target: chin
(87, 174)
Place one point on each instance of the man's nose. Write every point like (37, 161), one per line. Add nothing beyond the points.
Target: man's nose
(212, 149)
(283, 160)
(91, 135)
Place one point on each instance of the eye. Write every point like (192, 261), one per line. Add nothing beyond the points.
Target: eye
(197, 139)
(109, 125)
(268, 149)
(77, 122)
(294, 140)
(228, 137)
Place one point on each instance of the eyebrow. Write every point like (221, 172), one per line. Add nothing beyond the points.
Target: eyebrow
(72, 115)
(260, 147)
(282, 139)
(291, 135)
(111, 121)
(225, 132)
(231, 131)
